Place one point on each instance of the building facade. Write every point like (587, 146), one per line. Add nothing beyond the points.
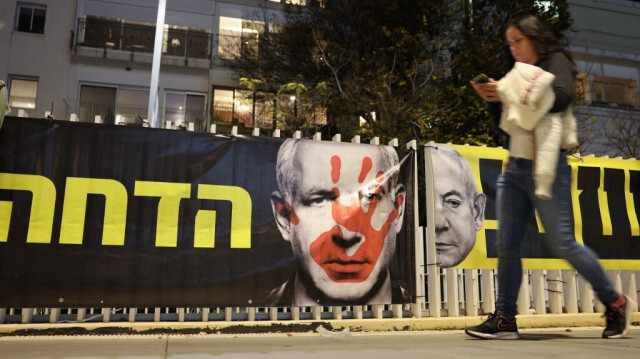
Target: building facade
(89, 58)
(92, 59)
(605, 44)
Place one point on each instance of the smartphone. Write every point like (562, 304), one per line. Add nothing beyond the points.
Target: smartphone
(481, 78)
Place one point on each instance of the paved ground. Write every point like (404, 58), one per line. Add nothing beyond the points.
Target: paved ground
(554, 343)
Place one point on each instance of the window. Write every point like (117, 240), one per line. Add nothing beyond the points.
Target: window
(22, 93)
(193, 43)
(615, 90)
(101, 32)
(30, 18)
(242, 107)
(131, 106)
(239, 37)
(97, 101)
(184, 108)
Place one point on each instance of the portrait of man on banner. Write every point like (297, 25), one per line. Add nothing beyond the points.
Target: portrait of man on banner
(343, 208)
(459, 206)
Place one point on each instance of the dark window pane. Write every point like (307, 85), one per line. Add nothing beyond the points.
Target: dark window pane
(38, 20)
(31, 19)
(24, 19)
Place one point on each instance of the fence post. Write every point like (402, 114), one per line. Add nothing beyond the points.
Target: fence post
(488, 291)
(27, 315)
(418, 304)
(523, 295)
(433, 271)
(554, 284)
(537, 291)
(453, 306)
(471, 292)
(106, 315)
(54, 315)
(586, 296)
(629, 288)
(570, 291)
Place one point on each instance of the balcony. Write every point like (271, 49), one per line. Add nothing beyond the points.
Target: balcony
(128, 41)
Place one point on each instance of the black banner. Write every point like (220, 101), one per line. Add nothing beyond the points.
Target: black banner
(110, 216)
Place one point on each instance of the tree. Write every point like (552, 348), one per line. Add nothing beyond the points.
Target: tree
(481, 47)
(388, 68)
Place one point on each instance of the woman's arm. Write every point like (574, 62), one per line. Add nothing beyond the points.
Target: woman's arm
(564, 85)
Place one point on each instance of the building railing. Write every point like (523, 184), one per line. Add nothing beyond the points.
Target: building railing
(109, 34)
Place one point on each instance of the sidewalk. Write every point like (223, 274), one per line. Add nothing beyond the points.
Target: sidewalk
(584, 343)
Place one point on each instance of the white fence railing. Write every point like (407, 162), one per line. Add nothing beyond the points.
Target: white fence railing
(440, 293)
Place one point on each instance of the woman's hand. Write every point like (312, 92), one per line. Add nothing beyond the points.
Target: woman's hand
(488, 90)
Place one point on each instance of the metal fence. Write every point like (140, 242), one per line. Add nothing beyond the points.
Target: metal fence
(440, 293)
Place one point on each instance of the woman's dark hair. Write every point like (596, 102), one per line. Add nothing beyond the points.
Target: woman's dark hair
(541, 36)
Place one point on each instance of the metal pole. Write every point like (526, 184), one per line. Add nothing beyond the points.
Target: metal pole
(152, 115)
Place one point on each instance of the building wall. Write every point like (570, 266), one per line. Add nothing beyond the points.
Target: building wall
(61, 72)
(44, 56)
(605, 43)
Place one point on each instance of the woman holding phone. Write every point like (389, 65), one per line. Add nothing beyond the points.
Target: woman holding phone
(531, 42)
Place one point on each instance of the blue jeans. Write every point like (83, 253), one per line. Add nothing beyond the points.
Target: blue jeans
(515, 201)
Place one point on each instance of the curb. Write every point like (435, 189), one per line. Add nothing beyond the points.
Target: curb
(253, 327)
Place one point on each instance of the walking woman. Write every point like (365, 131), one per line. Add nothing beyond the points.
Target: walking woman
(520, 188)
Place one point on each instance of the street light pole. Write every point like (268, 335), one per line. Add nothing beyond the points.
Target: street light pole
(152, 114)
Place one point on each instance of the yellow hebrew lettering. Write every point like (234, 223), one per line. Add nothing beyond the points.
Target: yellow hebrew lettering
(42, 205)
(5, 219)
(240, 210)
(603, 200)
(205, 231)
(75, 207)
(631, 209)
(168, 209)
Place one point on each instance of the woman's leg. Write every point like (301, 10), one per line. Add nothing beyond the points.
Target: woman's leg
(556, 215)
(513, 208)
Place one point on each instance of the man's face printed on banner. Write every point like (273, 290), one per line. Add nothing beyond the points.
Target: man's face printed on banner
(459, 211)
(343, 217)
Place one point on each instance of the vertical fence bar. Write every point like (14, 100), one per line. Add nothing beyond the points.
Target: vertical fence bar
(54, 315)
(629, 288)
(554, 285)
(106, 315)
(453, 299)
(416, 306)
(488, 291)
(537, 291)
(27, 315)
(586, 296)
(524, 301)
(82, 312)
(295, 313)
(471, 291)
(433, 271)
(570, 291)
(133, 312)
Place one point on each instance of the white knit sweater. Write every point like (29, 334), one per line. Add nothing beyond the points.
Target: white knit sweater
(527, 95)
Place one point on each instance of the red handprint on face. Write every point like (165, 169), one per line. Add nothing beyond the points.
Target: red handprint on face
(353, 229)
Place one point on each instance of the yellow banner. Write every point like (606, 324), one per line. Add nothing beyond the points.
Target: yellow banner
(605, 198)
